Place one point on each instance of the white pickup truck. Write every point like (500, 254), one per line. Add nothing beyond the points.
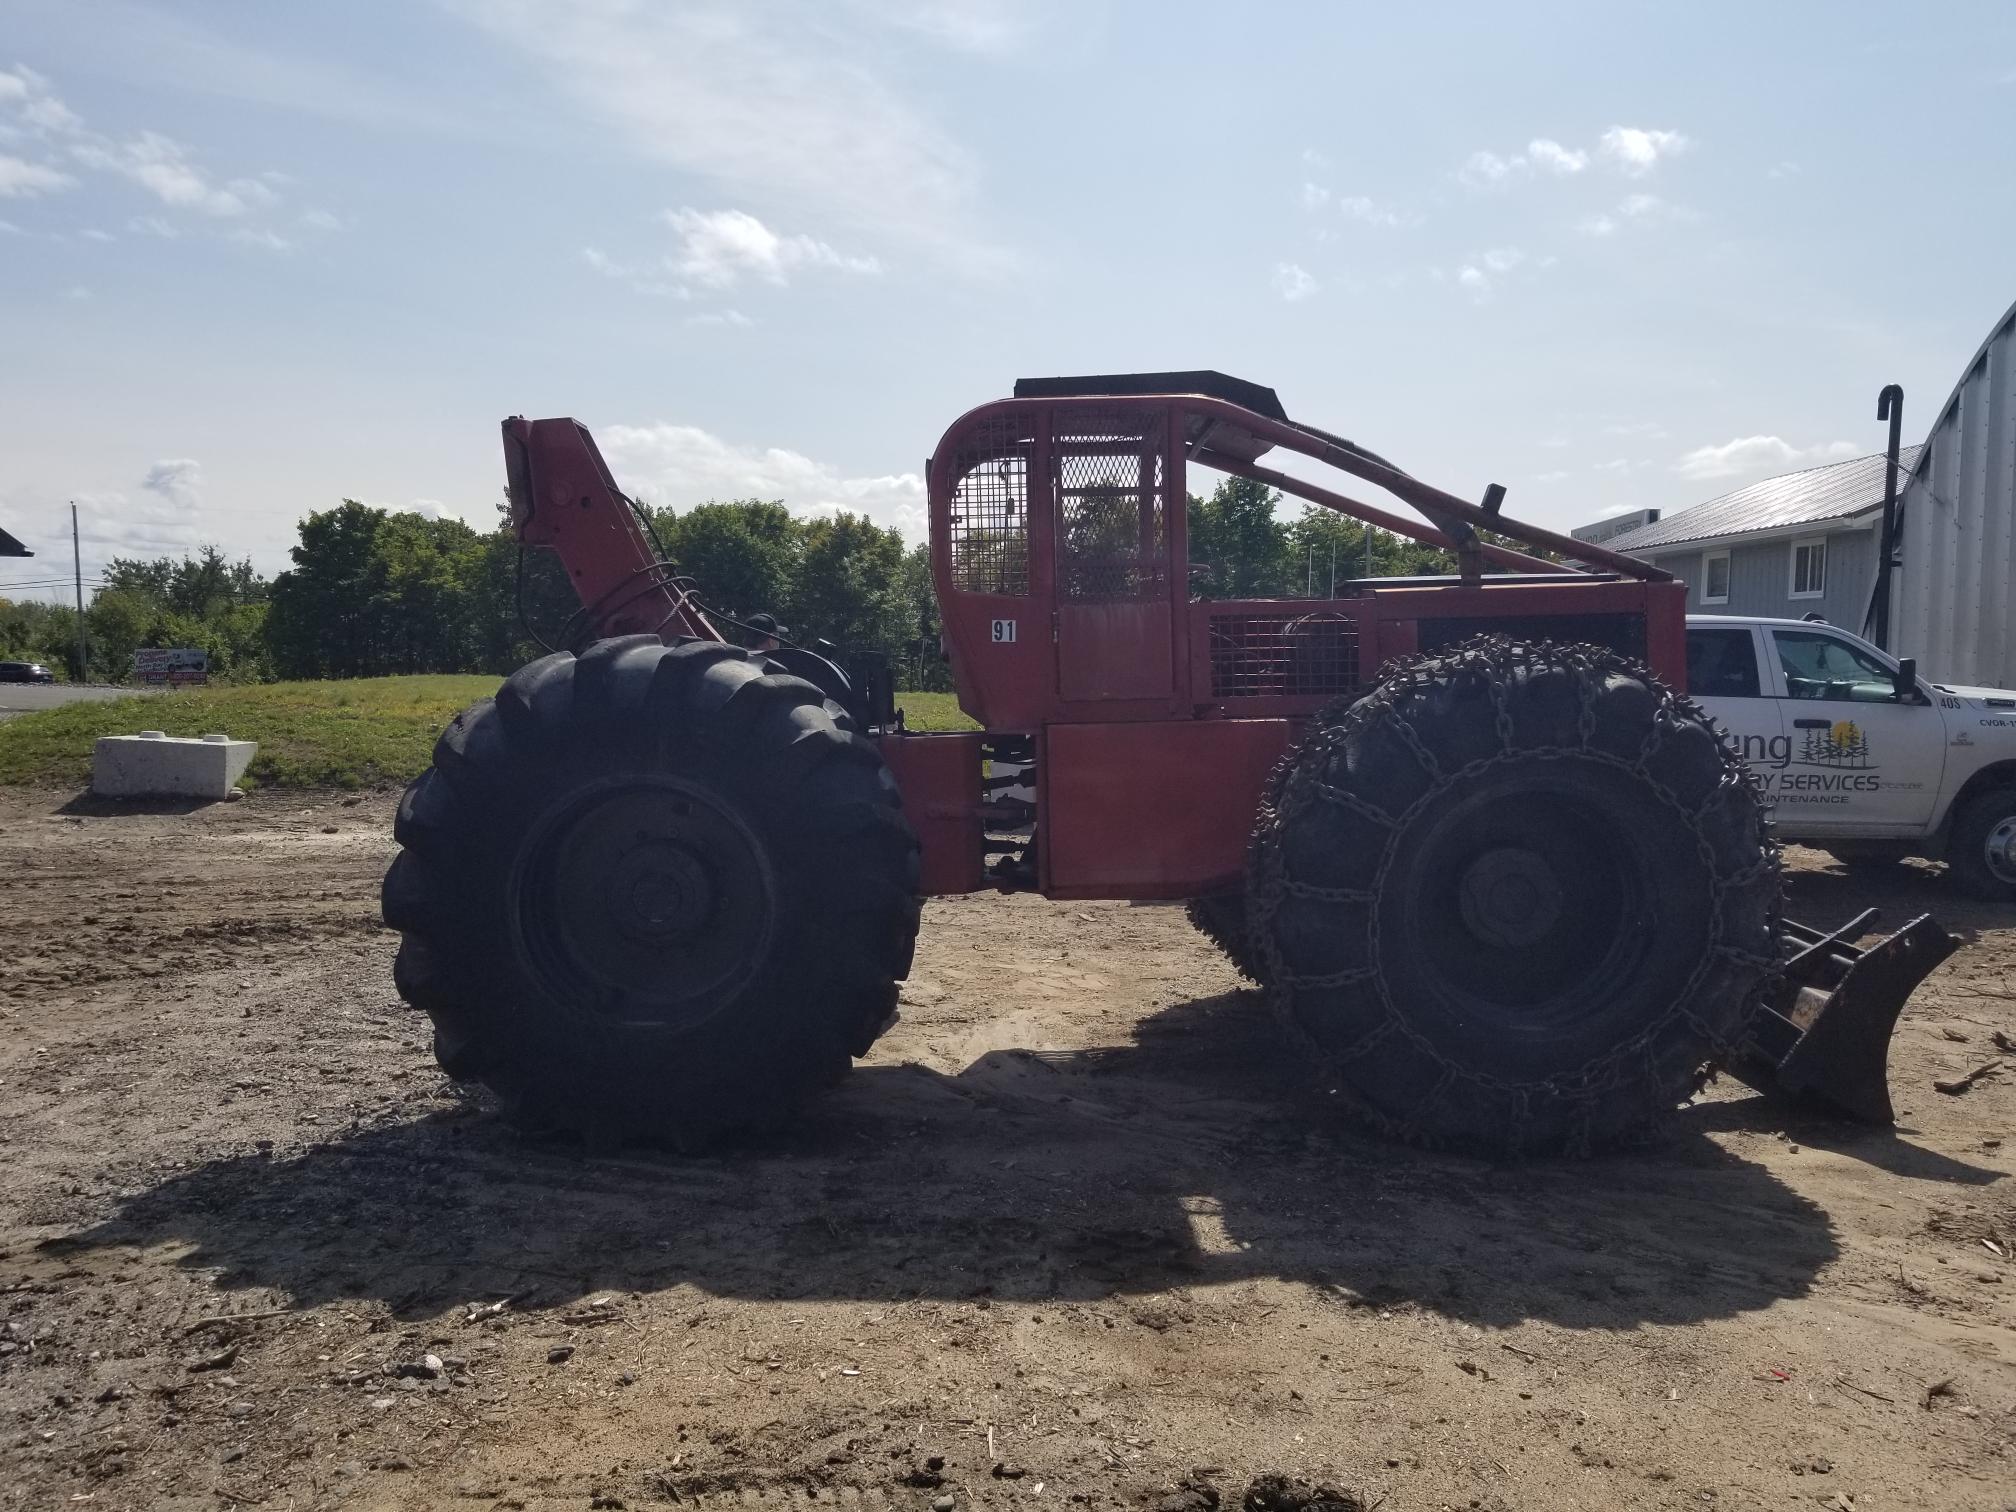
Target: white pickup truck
(1859, 755)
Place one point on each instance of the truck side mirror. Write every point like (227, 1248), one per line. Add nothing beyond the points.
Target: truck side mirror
(1905, 681)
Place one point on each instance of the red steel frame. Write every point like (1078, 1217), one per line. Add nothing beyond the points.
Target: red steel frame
(1148, 768)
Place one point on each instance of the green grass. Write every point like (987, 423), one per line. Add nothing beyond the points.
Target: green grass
(311, 734)
(364, 733)
(933, 711)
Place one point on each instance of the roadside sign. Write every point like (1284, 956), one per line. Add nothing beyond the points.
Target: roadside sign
(170, 667)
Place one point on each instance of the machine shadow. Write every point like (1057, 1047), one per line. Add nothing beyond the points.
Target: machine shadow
(1186, 1159)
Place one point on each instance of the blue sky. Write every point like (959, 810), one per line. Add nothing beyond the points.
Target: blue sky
(260, 257)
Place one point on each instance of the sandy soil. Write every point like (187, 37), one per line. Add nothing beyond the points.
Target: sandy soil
(1080, 1233)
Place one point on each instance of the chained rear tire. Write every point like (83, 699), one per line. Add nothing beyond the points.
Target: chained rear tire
(655, 891)
(1221, 919)
(1520, 899)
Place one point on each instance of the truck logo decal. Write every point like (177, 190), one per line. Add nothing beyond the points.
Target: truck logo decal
(1841, 745)
(1837, 758)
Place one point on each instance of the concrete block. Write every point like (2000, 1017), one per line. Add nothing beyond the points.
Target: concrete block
(152, 765)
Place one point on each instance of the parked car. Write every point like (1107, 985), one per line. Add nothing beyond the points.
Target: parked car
(25, 672)
(1858, 754)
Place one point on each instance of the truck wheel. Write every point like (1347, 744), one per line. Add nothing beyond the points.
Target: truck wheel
(1982, 848)
(1221, 919)
(1519, 899)
(653, 891)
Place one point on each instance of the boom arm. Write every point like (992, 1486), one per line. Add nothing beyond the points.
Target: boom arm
(564, 498)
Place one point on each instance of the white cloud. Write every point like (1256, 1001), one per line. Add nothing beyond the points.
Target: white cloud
(1371, 213)
(975, 26)
(1636, 151)
(682, 465)
(1553, 476)
(1314, 196)
(1543, 152)
(1480, 276)
(21, 179)
(92, 233)
(77, 292)
(161, 166)
(157, 163)
(1633, 210)
(764, 102)
(176, 479)
(321, 220)
(1293, 282)
(1631, 150)
(152, 225)
(1756, 454)
(1614, 465)
(722, 317)
(1785, 170)
(8, 228)
(266, 237)
(1487, 170)
(1650, 430)
(718, 248)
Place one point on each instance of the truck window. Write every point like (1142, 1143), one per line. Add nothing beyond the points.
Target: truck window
(1824, 666)
(1721, 664)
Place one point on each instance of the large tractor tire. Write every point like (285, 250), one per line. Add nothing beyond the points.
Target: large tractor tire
(656, 891)
(1518, 900)
(1221, 919)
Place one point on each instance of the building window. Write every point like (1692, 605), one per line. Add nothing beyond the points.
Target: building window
(1715, 578)
(1809, 567)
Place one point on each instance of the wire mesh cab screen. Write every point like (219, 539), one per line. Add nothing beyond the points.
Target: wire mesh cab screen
(1112, 503)
(989, 517)
(1283, 654)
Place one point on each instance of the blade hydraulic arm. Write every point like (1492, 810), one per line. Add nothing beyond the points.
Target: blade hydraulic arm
(564, 498)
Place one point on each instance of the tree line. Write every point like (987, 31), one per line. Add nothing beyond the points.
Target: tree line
(373, 592)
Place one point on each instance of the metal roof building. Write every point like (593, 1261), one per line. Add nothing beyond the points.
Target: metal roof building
(1953, 590)
(1797, 544)
(1839, 491)
(1808, 542)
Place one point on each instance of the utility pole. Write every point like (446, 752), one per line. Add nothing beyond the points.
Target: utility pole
(1333, 565)
(1368, 551)
(77, 563)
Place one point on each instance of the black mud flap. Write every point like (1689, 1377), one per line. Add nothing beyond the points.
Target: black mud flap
(1824, 1034)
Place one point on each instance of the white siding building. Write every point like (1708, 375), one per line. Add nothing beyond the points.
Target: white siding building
(1953, 593)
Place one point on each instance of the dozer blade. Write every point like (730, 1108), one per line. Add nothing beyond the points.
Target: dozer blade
(1824, 1035)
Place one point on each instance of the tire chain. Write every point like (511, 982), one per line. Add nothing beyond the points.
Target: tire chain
(1498, 660)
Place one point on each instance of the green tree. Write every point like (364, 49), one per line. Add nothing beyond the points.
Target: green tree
(850, 586)
(744, 554)
(1238, 549)
(324, 619)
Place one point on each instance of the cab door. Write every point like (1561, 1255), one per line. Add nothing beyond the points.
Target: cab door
(1110, 482)
(1862, 760)
(1724, 677)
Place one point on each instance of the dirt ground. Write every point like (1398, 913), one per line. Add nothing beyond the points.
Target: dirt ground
(1080, 1233)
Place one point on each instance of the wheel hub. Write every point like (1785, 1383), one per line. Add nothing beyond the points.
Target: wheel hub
(660, 891)
(647, 901)
(1510, 897)
(1999, 850)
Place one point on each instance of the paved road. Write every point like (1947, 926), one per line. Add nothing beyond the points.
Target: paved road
(23, 698)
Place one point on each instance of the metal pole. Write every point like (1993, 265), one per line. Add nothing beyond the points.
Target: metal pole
(77, 563)
(1889, 406)
(1333, 565)
(1368, 551)
(1309, 577)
